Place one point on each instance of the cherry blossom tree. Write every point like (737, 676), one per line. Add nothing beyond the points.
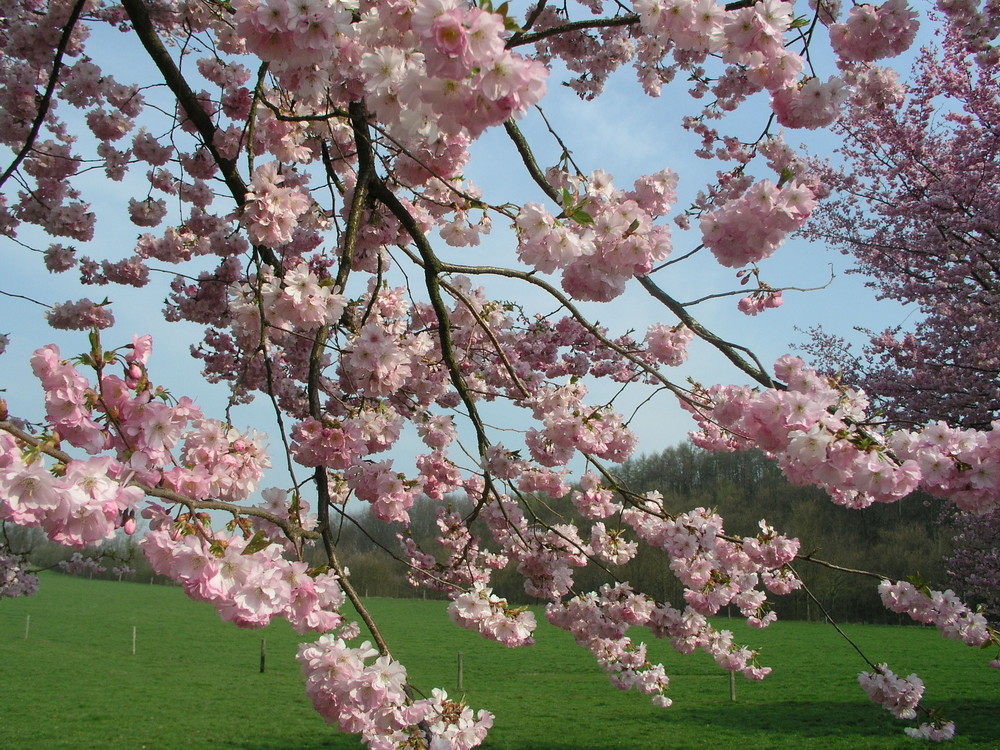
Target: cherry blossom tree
(301, 166)
(974, 562)
(915, 206)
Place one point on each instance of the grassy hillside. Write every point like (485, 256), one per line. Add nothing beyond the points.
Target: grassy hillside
(194, 682)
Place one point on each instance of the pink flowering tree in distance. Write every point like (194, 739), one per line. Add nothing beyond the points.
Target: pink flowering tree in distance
(301, 166)
(916, 206)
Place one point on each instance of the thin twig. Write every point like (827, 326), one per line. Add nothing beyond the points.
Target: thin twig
(46, 99)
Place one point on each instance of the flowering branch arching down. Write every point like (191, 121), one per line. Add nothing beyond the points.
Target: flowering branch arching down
(915, 204)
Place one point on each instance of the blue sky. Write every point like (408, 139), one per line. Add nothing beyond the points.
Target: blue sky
(623, 132)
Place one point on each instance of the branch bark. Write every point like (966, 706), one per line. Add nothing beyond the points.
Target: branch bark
(46, 100)
(188, 101)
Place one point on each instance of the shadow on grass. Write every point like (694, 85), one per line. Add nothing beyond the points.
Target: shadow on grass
(775, 726)
(978, 723)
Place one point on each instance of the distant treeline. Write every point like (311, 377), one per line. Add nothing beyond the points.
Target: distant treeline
(899, 540)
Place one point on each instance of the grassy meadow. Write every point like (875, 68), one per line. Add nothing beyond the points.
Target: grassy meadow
(195, 682)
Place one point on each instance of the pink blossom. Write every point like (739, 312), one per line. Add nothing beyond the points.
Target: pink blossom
(899, 696)
(812, 104)
(80, 315)
(669, 344)
(750, 228)
(147, 213)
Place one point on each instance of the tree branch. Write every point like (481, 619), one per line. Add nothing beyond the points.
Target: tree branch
(729, 350)
(186, 98)
(290, 530)
(46, 100)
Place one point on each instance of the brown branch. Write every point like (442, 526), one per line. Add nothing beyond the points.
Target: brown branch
(324, 499)
(279, 115)
(760, 289)
(433, 266)
(323, 492)
(46, 100)
(520, 39)
(521, 144)
(366, 173)
(192, 107)
(566, 302)
(433, 269)
(841, 568)
(21, 296)
(729, 350)
(504, 359)
(323, 495)
(833, 622)
(533, 15)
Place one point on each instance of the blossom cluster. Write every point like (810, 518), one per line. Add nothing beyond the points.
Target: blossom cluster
(605, 235)
(247, 586)
(688, 631)
(15, 578)
(569, 425)
(485, 612)
(78, 565)
(977, 24)
(287, 34)
(714, 570)
(390, 492)
(545, 557)
(812, 427)
(962, 465)
(466, 564)
(80, 315)
(463, 79)
(668, 344)
(83, 501)
(123, 570)
(751, 228)
(816, 429)
(82, 506)
(218, 461)
(592, 500)
(430, 68)
(273, 208)
(300, 300)
(756, 303)
(751, 40)
(943, 609)
(811, 104)
(900, 696)
(370, 698)
(871, 32)
(599, 621)
(936, 731)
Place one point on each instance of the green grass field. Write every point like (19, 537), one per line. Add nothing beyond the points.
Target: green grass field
(195, 682)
